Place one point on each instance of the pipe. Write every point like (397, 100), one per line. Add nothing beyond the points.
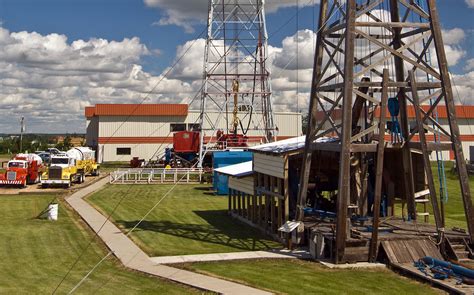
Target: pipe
(459, 270)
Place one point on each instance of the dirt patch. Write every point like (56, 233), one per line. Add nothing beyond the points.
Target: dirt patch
(37, 189)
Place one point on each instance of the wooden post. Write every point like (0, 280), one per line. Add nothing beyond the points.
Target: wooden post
(313, 107)
(406, 154)
(455, 134)
(267, 202)
(345, 167)
(239, 203)
(272, 204)
(249, 207)
(424, 150)
(230, 200)
(286, 193)
(234, 201)
(379, 168)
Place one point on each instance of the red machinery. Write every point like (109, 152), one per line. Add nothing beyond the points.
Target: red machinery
(186, 142)
(22, 170)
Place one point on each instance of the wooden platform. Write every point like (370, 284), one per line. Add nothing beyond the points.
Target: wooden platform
(448, 284)
(402, 241)
(409, 251)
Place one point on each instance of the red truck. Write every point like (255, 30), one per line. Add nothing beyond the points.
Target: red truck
(22, 170)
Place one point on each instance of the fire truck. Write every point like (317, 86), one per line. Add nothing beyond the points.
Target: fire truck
(22, 170)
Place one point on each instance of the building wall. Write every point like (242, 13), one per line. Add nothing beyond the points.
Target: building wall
(269, 165)
(243, 184)
(108, 152)
(92, 131)
(148, 136)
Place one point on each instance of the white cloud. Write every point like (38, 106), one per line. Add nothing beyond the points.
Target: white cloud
(50, 80)
(186, 14)
(469, 65)
(470, 3)
(453, 36)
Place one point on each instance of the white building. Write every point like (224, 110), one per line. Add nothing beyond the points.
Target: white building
(122, 131)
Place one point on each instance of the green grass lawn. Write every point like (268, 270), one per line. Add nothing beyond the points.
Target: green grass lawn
(190, 220)
(454, 208)
(300, 277)
(36, 254)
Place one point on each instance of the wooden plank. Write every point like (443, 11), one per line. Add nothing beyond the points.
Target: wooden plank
(426, 159)
(379, 168)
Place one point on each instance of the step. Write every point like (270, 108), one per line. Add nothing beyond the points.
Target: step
(462, 254)
(422, 201)
(458, 247)
(422, 193)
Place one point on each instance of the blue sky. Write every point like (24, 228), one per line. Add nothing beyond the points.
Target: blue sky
(157, 46)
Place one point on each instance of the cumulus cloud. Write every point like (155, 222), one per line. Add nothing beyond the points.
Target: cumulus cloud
(470, 3)
(453, 36)
(469, 65)
(50, 80)
(186, 14)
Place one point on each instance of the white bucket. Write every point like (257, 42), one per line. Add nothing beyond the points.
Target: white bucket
(53, 212)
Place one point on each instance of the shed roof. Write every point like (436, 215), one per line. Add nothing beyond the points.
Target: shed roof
(287, 145)
(237, 170)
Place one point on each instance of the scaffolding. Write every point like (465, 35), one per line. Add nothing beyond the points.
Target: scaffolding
(235, 54)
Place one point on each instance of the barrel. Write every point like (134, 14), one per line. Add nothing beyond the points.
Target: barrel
(53, 211)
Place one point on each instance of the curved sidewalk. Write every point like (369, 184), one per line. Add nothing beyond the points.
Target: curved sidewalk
(133, 257)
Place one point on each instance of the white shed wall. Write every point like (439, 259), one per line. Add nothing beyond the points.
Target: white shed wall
(270, 165)
(243, 184)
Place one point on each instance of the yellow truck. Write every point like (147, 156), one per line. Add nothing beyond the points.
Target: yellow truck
(70, 167)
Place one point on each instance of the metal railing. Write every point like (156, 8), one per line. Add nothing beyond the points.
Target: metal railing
(156, 175)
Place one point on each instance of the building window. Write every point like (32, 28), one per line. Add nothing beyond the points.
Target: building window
(124, 151)
(177, 127)
(194, 127)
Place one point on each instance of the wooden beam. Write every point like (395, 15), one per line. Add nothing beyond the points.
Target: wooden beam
(313, 105)
(379, 170)
(449, 101)
(400, 77)
(344, 163)
(426, 154)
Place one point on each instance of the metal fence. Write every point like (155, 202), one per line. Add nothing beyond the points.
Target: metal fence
(156, 175)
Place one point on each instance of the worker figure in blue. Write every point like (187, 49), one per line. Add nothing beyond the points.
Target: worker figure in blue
(394, 110)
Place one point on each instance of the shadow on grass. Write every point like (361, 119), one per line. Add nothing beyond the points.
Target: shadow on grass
(221, 229)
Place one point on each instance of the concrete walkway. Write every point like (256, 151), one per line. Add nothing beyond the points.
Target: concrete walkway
(133, 257)
(280, 254)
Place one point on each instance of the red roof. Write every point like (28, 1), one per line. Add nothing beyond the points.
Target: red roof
(462, 112)
(136, 110)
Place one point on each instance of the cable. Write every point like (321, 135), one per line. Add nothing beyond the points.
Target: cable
(128, 234)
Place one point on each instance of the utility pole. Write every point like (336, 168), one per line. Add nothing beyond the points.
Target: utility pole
(22, 129)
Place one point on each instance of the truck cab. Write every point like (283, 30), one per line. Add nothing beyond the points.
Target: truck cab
(20, 172)
(62, 171)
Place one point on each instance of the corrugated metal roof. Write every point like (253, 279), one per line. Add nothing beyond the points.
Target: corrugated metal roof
(287, 145)
(237, 170)
(137, 110)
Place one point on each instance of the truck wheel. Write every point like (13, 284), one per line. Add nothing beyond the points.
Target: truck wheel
(44, 185)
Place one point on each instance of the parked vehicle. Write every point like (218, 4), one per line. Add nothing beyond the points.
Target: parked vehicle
(22, 170)
(72, 166)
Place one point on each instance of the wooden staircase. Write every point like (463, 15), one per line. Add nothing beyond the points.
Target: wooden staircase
(459, 250)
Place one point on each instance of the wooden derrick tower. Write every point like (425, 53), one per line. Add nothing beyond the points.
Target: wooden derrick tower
(370, 54)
